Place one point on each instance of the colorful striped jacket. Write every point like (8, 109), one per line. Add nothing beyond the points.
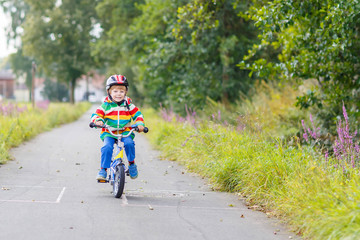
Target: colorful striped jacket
(117, 116)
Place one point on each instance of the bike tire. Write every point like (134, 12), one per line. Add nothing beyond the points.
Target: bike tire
(119, 181)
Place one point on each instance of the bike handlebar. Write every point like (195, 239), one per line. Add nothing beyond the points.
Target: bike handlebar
(92, 125)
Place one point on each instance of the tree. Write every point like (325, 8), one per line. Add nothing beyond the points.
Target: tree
(153, 50)
(55, 91)
(317, 40)
(18, 10)
(217, 38)
(21, 66)
(114, 49)
(179, 52)
(58, 34)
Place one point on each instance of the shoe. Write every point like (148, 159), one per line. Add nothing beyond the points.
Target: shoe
(133, 171)
(101, 175)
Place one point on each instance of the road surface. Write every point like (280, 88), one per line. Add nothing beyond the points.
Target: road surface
(49, 191)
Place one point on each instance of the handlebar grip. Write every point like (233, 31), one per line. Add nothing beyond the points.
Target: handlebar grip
(92, 125)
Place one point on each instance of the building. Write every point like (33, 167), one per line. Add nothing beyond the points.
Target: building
(90, 88)
(7, 84)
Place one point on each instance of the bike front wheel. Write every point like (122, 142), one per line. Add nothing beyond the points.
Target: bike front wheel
(119, 180)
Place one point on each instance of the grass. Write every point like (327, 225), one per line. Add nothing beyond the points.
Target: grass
(293, 183)
(19, 127)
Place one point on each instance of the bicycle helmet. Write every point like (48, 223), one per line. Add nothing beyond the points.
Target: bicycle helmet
(116, 80)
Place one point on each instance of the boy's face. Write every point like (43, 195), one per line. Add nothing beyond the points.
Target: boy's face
(117, 93)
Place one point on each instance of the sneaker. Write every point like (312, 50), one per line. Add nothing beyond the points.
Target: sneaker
(101, 175)
(133, 171)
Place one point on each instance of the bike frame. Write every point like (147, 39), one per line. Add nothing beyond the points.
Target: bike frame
(117, 159)
(118, 156)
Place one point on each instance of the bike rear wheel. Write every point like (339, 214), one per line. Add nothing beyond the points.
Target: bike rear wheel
(119, 180)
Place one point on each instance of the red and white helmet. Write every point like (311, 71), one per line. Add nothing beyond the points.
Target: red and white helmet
(116, 80)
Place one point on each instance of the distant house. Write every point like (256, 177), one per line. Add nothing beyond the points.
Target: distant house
(7, 84)
(90, 88)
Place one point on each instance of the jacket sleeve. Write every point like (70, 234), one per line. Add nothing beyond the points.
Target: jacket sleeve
(135, 113)
(98, 115)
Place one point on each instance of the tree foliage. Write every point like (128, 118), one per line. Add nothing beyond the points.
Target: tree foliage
(178, 52)
(316, 40)
(174, 52)
(55, 91)
(22, 66)
(216, 39)
(18, 10)
(58, 34)
(115, 48)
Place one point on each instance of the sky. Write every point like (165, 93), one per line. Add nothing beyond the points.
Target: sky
(4, 49)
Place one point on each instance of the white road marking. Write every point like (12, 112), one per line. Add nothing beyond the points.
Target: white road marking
(33, 200)
(124, 200)
(60, 195)
(27, 201)
(20, 186)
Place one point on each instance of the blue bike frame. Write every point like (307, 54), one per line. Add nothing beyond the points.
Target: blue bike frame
(117, 160)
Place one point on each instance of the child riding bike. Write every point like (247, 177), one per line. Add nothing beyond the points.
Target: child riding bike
(117, 111)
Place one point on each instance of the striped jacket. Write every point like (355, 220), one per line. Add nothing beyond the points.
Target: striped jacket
(117, 116)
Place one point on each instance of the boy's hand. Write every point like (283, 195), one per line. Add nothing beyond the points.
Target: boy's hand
(100, 123)
(141, 128)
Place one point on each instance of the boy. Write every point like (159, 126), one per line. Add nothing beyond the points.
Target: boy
(117, 111)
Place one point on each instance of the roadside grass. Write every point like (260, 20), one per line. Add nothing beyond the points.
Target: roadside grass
(291, 182)
(271, 109)
(18, 127)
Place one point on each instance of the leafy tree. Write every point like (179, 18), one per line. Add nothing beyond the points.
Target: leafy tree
(317, 40)
(154, 51)
(55, 91)
(20, 64)
(58, 34)
(18, 10)
(115, 49)
(177, 52)
(217, 39)
(22, 67)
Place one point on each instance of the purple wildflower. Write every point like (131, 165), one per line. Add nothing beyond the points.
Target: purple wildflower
(170, 115)
(345, 149)
(305, 136)
(327, 156)
(43, 104)
(11, 109)
(346, 118)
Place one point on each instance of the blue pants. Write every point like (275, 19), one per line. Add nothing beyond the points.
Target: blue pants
(107, 150)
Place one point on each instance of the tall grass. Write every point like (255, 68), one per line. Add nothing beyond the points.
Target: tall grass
(271, 109)
(19, 126)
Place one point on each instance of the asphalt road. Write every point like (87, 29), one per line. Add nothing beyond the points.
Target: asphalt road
(49, 191)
